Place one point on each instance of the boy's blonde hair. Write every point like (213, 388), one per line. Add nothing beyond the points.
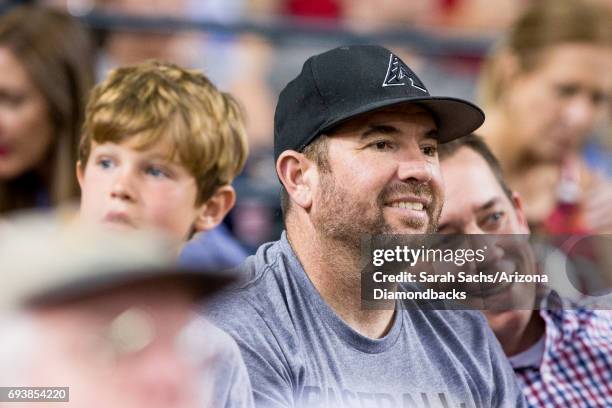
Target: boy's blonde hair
(154, 101)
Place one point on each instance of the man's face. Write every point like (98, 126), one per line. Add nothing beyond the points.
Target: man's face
(475, 203)
(383, 177)
(123, 349)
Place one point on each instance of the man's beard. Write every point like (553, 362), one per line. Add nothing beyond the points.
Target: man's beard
(343, 219)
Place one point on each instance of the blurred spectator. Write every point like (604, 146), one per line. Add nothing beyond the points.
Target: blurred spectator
(379, 14)
(598, 150)
(541, 344)
(111, 317)
(249, 70)
(545, 90)
(46, 70)
(132, 45)
(252, 76)
(329, 9)
(480, 15)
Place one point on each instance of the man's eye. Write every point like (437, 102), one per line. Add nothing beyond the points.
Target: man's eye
(382, 145)
(494, 219)
(496, 216)
(431, 151)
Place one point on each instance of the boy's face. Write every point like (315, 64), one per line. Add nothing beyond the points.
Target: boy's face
(126, 187)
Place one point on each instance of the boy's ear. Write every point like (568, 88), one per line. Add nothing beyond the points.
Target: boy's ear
(215, 208)
(79, 173)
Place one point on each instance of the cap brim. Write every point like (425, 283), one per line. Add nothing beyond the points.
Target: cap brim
(454, 117)
(201, 283)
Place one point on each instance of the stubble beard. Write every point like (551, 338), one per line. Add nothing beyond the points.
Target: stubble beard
(341, 219)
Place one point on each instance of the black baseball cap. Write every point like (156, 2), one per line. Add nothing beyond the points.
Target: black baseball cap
(348, 81)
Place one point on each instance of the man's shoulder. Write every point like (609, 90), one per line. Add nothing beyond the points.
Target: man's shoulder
(255, 269)
(257, 295)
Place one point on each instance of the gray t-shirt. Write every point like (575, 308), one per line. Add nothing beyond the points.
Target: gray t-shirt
(223, 381)
(299, 353)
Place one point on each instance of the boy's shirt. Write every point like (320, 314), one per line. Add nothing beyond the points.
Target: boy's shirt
(214, 249)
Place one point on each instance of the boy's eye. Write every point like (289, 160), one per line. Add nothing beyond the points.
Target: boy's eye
(105, 163)
(156, 171)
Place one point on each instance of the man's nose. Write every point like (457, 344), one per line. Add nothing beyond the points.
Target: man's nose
(415, 167)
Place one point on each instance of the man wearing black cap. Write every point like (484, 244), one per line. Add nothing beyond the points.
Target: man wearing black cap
(355, 141)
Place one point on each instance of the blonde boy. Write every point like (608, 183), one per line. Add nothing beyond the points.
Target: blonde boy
(160, 147)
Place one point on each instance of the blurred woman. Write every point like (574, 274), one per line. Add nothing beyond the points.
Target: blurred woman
(46, 70)
(545, 90)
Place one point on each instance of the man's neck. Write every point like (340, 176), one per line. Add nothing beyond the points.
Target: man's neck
(516, 339)
(335, 271)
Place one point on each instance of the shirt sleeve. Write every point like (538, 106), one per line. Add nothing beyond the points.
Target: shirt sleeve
(264, 353)
(232, 387)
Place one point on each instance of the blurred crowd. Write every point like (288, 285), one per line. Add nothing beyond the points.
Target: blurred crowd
(543, 78)
(253, 67)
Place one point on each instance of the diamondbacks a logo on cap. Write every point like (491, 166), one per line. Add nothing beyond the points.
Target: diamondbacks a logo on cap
(398, 74)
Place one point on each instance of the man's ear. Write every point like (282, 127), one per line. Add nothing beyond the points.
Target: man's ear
(517, 203)
(80, 173)
(212, 212)
(298, 174)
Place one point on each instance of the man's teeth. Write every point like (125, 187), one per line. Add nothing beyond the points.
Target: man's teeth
(409, 205)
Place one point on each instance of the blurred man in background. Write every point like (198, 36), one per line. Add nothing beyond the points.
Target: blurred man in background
(561, 354)
(111, 317)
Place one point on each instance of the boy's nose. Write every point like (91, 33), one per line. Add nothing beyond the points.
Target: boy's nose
(122, 188)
